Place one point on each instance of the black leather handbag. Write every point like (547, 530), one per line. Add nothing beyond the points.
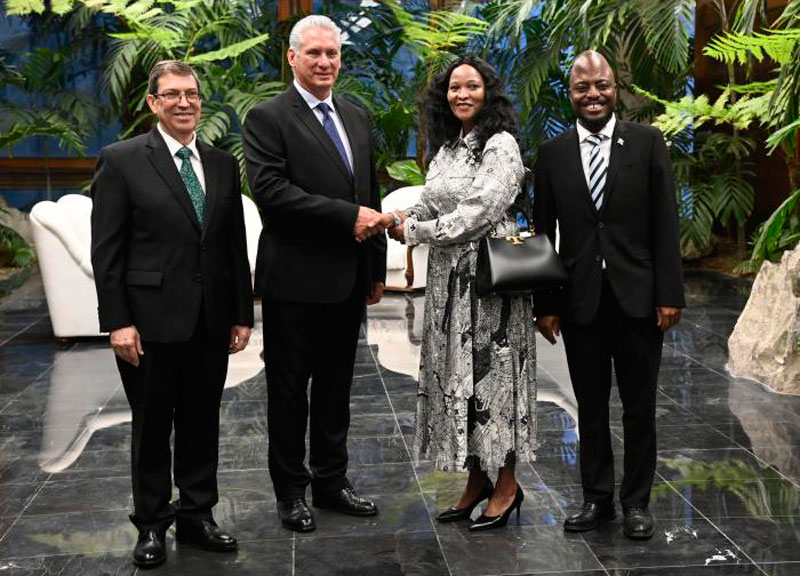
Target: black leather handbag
(518, 266)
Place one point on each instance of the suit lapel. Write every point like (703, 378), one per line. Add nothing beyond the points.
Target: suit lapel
(165, 166)
(211, 170)
(619, 152)
(307, 117)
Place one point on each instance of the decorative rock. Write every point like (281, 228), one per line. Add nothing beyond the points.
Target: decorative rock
(765, 344)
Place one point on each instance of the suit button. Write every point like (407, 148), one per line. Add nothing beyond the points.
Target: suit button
(598, 258)
(202, 248)
(198, 277)
(600, 225)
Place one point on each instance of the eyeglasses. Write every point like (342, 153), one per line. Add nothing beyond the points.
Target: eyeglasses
(173, 96)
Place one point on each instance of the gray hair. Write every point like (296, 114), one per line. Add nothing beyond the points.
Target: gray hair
(164, 67)
(309, 22)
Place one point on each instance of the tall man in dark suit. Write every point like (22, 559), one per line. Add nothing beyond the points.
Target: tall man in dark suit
(608, 185)
(173, 283)
(321, 257)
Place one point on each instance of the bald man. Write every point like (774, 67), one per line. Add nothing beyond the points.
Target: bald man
(608, 185)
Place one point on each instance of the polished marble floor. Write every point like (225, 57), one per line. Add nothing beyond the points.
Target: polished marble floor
(726, 499)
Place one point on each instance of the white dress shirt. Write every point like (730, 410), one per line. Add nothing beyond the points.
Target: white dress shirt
(605, 145)
(173, 146)
(312, 102)
(605, 149)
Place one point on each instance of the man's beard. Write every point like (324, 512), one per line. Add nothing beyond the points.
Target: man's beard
(594, 126)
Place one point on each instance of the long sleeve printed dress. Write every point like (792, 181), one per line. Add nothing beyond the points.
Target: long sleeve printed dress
(477, 378)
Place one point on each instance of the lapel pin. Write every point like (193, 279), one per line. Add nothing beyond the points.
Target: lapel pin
(620, 141)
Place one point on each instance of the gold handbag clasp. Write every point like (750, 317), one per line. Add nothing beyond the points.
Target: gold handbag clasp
(515, 240)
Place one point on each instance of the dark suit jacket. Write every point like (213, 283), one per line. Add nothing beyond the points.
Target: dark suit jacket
(636, 231)
(153, 266)
(309, 202)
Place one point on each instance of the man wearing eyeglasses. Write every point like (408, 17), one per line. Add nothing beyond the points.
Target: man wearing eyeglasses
(173, 283)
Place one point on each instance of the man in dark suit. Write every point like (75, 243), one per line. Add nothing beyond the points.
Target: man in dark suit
(173, 283)
(608, 185)
(321, 257)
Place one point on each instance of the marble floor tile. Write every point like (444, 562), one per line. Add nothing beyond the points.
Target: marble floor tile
(704, 570)
(677, 542)
(259, 558)
(373, 404)
(105, 564)
(95, 464)
(765, 540)
(94, 495)
(729, 463)
(781, 568)
(406, 553)
(378, 450)
(398, 513)
(89, 533)
(745, 496)
(397, 478)
(516, 550)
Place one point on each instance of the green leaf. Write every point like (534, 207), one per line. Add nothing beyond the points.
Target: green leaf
(230, 51)
(24, 7)
(771, 230)
(406, 171)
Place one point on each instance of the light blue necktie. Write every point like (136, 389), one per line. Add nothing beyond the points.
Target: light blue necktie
(597, 170)
(330, 128)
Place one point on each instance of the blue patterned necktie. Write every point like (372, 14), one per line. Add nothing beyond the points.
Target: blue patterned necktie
(330, 128)
(191, 182)
(597, 170)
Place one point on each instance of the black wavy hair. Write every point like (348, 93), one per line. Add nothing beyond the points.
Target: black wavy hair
(443, 128)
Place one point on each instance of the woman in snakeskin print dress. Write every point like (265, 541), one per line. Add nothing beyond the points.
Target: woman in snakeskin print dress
(477, 379)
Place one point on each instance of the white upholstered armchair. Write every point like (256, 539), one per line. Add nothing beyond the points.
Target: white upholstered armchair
(62, 234)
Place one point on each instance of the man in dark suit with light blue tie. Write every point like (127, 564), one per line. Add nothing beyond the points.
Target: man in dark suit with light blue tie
(321, 257)
(607, 184)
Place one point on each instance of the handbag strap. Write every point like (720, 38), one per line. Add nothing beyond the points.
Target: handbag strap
(523, 203)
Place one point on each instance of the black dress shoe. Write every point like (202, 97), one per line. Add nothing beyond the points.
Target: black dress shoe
(151, 548)
(638, 524)
(204, 533)
(347, 501)
(590, 517)
(453, 514)
(295, 515)
(485, 522)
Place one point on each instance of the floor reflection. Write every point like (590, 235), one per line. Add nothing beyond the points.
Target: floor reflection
(726, 496)
(82, 383)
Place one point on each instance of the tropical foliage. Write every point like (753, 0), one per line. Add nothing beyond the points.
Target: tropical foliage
(395, 47)
(773, 105)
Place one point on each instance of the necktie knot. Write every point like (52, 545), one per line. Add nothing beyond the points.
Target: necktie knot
(595, 139)
(183, 153)
(324, 108)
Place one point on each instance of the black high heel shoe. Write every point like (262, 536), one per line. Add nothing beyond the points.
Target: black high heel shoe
(453, 514)
(491, 522)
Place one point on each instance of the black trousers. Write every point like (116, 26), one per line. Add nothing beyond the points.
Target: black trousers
(175, 385)
(316, 341)
(634, 346)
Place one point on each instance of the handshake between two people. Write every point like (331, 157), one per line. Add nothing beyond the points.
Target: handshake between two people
(370, 222)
